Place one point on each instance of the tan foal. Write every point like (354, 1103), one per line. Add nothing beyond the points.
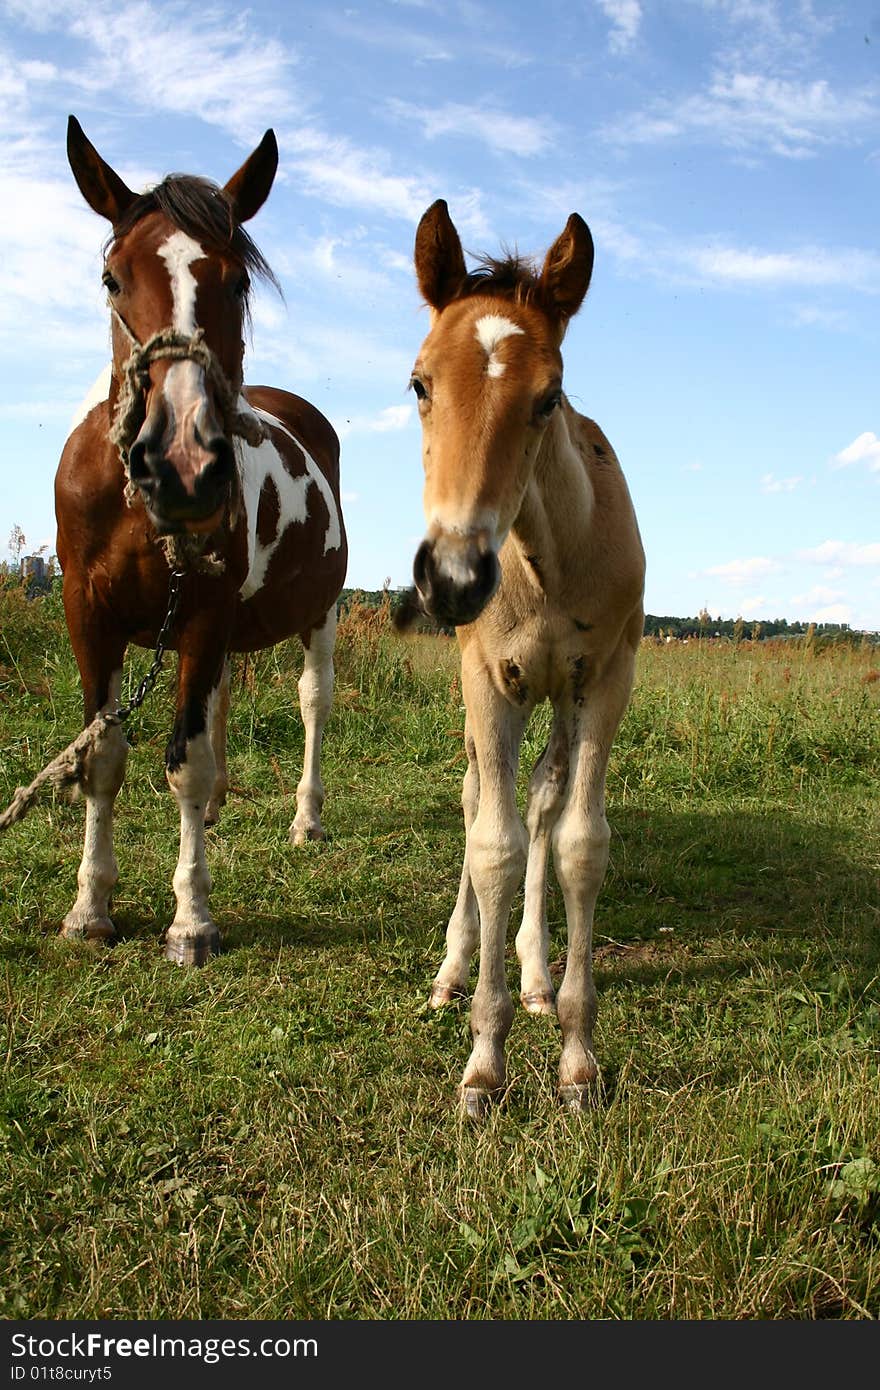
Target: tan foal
(533, 551)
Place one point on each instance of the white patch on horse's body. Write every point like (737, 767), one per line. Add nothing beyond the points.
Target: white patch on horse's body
(98, 392)
(491, 330)
(255, 466)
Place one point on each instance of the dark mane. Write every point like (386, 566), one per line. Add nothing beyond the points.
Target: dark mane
(202, 210)
(511, 276)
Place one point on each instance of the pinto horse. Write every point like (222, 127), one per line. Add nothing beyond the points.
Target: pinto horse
(180, 481)
(533, 552)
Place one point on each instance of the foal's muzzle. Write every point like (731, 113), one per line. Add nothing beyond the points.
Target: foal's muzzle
(456, 576)
(171, 505)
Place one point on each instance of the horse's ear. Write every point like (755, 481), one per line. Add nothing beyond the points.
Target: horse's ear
(439, 259)
(249, 186)
(565, 277)
(100, 185)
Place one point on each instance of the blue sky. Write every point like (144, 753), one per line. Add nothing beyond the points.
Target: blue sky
(725, 153)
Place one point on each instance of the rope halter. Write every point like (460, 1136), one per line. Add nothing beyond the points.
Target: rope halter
(131, 412)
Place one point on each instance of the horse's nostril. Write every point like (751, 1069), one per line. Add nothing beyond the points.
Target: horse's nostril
(421, 565)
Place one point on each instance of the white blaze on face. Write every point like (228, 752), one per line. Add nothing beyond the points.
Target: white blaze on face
(178, 253)
(184, 388)
(491, 330)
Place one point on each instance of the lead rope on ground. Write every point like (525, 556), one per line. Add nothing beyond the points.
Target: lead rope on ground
(66, 771)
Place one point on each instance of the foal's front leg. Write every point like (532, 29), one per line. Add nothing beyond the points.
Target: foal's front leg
(463, 930)
(496, 857)
(190, 767)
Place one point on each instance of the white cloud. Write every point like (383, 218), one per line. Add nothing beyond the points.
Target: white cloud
(864, 449)
(844, 553)
(833, 613)
(745, 111)
(501, 130)
(393, 417)
(819, 593)
(806, 266)
(770, 483)
(626, 17)
(743, 571)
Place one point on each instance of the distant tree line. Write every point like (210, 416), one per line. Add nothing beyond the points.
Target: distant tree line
(401, 604)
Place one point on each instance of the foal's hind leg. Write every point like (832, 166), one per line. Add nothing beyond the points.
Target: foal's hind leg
(463, 931)
(89, 919)
(315, 701)
(217, 731)
(546, 796)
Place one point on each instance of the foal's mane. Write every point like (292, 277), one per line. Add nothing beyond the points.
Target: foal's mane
(204, 211)
(509, 276)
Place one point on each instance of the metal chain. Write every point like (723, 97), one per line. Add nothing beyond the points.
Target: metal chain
(149, 680)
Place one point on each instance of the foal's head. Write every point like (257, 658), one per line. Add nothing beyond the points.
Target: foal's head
(488, 379)
(178, 261)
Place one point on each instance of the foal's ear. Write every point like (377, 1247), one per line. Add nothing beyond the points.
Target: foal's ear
(249, 186)
(100, 185)
(439, 259)
(568, 266)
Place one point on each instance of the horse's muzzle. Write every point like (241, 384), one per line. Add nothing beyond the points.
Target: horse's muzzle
(456, 576)
(171, 505)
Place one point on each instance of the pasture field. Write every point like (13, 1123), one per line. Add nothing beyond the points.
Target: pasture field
(275, 1136)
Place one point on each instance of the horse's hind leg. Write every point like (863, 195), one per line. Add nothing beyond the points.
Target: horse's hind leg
(89, 919)
(315, 701)
(217, 731)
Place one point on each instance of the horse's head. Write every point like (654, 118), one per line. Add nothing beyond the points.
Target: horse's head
(488, 379)
(177, 276)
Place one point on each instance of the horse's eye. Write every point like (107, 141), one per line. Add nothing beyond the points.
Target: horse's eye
(419, 387)
(549, 404)
(242, 286)
(110, 283)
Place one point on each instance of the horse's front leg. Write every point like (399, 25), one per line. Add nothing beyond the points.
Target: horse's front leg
(496, 857)
(315, 701)
(191, 768)
(99, 653)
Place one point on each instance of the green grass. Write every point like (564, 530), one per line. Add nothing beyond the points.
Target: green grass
(275, 1136)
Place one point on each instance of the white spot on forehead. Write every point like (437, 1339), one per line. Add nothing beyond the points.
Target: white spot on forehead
(491, 330)
(178, 253)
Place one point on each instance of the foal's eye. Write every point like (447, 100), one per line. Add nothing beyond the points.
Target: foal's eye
(419, 387)
(110, 284)
(549, 404)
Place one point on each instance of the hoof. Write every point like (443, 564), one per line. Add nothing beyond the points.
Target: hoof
(580, 1097)
(442, 995)
(302, 834)
(539, 1003)
(100, 931)
(192, 950)
(476, 1102)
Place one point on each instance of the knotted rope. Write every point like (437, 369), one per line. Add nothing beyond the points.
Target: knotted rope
(67, 771)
